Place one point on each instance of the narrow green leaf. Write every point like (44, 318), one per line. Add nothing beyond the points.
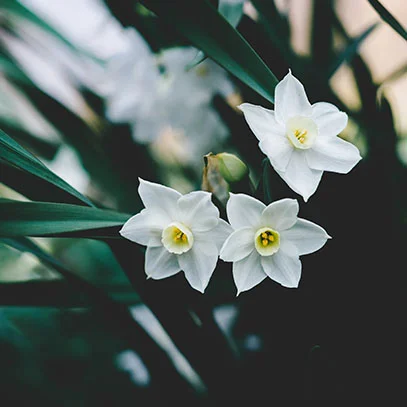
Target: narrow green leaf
(56, 219)
(206, 29)
(12, 154)
(388, 18)
(232, 14)
(350, 50)
(65, 292)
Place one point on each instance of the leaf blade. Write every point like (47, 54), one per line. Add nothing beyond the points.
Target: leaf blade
(206, 29)
(388, 18)
(57, 219)
(14, 155)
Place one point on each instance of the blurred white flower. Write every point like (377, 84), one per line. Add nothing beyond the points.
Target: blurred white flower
(132, 80)
(67, 165)
(300, 139)
(157, 93)
(180, 232)
(267, 241)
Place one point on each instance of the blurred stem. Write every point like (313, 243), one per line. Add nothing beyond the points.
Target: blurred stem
(204, 346)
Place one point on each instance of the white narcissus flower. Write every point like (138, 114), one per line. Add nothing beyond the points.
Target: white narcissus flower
(267, 241)
(181, 232)
(301, 140)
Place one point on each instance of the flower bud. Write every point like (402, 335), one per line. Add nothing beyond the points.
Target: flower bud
(232, 168)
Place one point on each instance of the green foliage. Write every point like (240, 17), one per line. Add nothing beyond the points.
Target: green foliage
(13, 155)
(388, 18)
(209, 31)
(51, 219)
(345, 302)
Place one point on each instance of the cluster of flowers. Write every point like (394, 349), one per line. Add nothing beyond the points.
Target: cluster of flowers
(185, 232)
(161, 100)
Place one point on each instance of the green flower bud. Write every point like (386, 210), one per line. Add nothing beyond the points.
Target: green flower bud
(232, 168)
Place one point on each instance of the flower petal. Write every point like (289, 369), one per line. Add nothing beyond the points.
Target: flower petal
(199, 263)
(217, 235)
(300, 177)
(159, 197)
(333, 154)
(280, 215)
(278, 150)
(262, 121)
(284, 269)
(290, 99)
(321, 108)
(238, 245)
(306, 235)
(160, 263)
(197, 211)
(244, 211)
(248, 272)
(144, 228)
(330, 123)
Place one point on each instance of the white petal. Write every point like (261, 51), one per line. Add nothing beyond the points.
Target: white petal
(307, 236)
(284, 269)
(238, 245)
(290, 99)
(144, 228)
(159, 197)
(288, 247)
(197, 211)
(248, 272)
(160, 263)
(333, 154)
(321, 108)
(280, 215)
(278, 149)
(244, 211)
(217, 235)
(262, 121)
(330, 123)
(199, 263)
(300, 177)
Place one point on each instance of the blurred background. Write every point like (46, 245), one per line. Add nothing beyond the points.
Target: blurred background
(104, 92)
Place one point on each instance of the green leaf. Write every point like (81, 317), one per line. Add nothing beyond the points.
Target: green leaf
(13, 155)
(232, 14)
(71, 291)
(206, 29)
(57, 219)
(388, 18)
(350, 50)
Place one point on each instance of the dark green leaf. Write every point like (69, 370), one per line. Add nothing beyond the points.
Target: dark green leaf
(12, 154)
(232, 14)
(388, 18)
(56, 219)
(210, 32)
(350, 50)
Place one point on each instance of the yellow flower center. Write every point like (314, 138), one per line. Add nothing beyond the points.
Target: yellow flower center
(267, 241)
(177, 238)
(301, 131)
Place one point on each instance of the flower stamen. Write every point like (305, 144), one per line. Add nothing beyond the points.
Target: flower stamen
(267, 241)
(177, 238)
(301, 131)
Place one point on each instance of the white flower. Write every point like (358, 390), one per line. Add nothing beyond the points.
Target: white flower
(267, 241)
(180, 232)
(300, 139)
